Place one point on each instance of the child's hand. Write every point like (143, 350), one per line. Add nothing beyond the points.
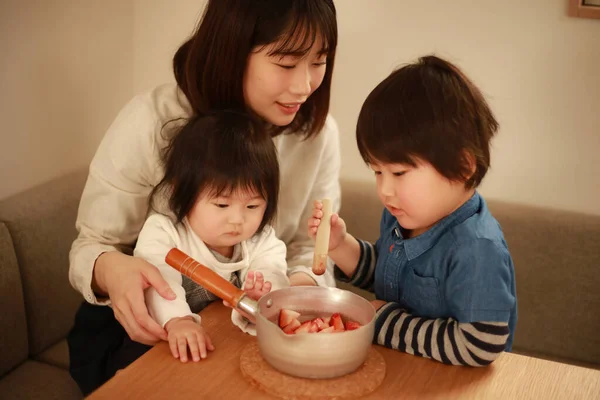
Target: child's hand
(184, 333)
(378, 304)
(256, 288)
(338, 226)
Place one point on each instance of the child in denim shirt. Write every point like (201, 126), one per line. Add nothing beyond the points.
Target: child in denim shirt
(441, 269)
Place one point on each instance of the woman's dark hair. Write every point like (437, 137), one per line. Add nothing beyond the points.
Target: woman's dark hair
(217, 154)
(431, 111)
(209, 67)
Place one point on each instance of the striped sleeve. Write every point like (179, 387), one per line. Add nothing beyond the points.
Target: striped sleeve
(448, 341)
(365, 270)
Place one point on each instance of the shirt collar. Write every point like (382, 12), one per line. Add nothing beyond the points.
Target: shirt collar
(416, 246)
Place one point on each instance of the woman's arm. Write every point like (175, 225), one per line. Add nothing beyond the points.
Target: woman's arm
(114, 202)
(111, 213)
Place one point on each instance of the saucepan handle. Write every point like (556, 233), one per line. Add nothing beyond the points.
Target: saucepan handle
(204, 276)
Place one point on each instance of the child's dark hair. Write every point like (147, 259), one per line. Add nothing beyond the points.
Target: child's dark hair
(431, 111)
(221, 152)
(209, 67)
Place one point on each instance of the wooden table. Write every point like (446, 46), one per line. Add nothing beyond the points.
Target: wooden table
(157, 375)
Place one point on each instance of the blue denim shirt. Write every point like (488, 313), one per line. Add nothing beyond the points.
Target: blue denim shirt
(459, 268)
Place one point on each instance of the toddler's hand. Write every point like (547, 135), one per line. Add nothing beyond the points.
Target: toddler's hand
(338, 226)
(184, 333)
(255, 286)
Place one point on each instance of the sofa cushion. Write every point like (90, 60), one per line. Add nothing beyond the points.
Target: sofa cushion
(57, 355)
(41, 222)
(13, 334)
(361, 209)
(34, 380)
(557, 266)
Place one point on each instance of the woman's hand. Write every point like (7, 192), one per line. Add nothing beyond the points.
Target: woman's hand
(338, 226)
(186, 333)
(124, 278)
(255, 286)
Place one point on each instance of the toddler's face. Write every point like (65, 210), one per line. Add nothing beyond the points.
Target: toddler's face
(225, 220)
(418, 196)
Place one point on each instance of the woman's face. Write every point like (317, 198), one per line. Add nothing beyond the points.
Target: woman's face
(275, 87)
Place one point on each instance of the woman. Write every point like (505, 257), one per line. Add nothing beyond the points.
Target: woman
(273, 58)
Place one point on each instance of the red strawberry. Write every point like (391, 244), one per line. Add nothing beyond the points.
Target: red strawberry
(326, 320)
(352, 325)
(330, 329)
(313, 327)
(286, 317)
(291, 327)
(319, 322)
(305, 327)
(336, 322)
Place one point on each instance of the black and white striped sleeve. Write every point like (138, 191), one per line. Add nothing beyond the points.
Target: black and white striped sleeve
(448, 341)
(365, 270)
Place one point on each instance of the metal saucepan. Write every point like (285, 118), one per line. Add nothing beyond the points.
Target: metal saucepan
(308, 355)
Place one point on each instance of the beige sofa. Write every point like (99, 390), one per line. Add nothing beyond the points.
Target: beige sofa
(556, 254)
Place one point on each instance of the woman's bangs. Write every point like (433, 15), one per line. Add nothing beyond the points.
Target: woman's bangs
(301, 34)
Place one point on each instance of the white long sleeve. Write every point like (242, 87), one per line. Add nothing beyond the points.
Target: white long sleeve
(263, 252)
(156, 239)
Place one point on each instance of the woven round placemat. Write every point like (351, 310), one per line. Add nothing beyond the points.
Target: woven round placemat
(359, 383)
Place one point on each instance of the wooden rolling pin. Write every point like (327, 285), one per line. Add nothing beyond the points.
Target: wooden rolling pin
(322, 241)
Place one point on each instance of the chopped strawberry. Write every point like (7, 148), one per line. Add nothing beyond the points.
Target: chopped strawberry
(305, 327)
(286, 317)
(330, 329)
(319, 322)
(336, 322)
(326, 320)
(352, 325)
(292, 326)
(313, 327)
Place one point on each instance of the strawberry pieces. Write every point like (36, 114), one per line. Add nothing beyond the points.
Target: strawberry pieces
(292, 326)
(337, 323)
(286, 317)
(290, 323)
(351, 325)
(328, 330)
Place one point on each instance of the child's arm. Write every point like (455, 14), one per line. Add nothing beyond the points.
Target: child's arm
(157, 237)
(267, 259)
(184, 333)
(478, 295)
(364, 271)
(344, 249)
(445, 340)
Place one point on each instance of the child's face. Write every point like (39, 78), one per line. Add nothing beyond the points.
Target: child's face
(224, 221)
(418, 196)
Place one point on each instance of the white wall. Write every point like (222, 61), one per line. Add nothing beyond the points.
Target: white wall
(65, 71)
(538, 67)
(159, 28)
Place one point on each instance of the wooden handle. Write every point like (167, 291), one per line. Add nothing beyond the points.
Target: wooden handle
(322, 241)
(204, 276)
